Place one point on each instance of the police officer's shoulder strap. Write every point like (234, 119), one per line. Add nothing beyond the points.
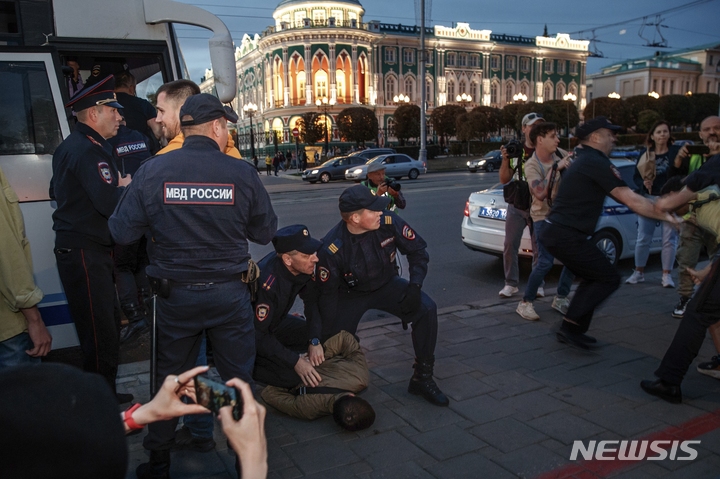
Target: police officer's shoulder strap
(388, 220)
(334, 246)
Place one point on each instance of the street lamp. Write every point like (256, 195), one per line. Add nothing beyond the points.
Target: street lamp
(464, 99)
(614, 95)
(520, 97)
(654, 94)
(325, 105)
(398, 99)
(250, 109)
(570, 98)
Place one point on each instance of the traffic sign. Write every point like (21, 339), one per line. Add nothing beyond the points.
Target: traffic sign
(295, 132)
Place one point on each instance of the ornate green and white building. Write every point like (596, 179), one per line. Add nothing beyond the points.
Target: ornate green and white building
(325, 49)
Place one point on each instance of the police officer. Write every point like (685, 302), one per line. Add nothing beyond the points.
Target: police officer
(279, 336)
(131, 148)
(358, 271)
(201, 207)
(86, 186)
(572, 219)
(380, 185)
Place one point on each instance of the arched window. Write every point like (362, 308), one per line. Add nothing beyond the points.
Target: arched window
(321, 83)
(390, 127)
(509, 92)
(560, 91)
(573, 89)
(524, 88)
(429, 96)
(410, 88)
(340, 84)
(389, 88)
(462, 87)
(451, 90)
(494, 87)
(474, 91)
(547, 94)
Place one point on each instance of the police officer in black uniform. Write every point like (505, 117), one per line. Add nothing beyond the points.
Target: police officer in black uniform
(358, 271)
(201, 207)
(131, 148)
(572, 219)
(280, 337)
(86, 186)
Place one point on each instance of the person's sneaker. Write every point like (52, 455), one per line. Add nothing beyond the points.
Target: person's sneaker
(561, 304)
(679, 310)
(667, 281)
(508, 291)
(526, 310)
(635, 278)
(184, 440)
(710, 368)
(540, 292)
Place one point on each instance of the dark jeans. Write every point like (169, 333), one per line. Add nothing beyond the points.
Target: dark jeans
(130, 263)
(224, 312)
(352, 305)
(87, 277)
(292, 333)
(200, 425)
(598, 278)
(691, 332)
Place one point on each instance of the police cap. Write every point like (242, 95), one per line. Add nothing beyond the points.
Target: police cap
(360, 197)
(101, 93)
(591, 126)
(203, 108)
(375, 166)
(295, 238)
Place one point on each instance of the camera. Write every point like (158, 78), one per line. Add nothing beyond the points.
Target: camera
(395, 185)
(514, 149)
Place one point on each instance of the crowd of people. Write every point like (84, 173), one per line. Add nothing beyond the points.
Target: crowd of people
(146, 222)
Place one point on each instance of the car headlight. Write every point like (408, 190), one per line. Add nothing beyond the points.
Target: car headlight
(357, 171)
(314, 172)
(468, 163)
(482, 162)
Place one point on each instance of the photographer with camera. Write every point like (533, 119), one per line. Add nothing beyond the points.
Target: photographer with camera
(517, 196)
(382, 185)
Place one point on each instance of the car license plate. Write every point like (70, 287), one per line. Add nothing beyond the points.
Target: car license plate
(494, 213)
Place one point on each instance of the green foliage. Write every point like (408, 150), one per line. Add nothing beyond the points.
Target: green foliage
(509, 114)
(611, 108)
(357, 124)
(560, 112)
(312, 128)
(704, 105)
(407, 122)
(646, 119)
(443, 120)
(634, 105)
(478, 123)
(677, 110)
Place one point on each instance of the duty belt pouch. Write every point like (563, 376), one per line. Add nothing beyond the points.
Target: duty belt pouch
(161, 287)
(251, 277)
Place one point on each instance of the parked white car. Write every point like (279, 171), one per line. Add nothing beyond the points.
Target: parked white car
(397, 165)
(483, 226)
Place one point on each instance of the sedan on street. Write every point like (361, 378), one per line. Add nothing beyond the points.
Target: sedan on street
(483, 224)
(397, 165)
(489, 162)
(333, 169)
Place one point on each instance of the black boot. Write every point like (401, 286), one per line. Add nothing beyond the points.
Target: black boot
(157, 468)
(137, 324)
(423, 385)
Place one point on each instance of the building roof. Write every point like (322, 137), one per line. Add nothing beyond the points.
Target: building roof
(671, 59)
(285, 3)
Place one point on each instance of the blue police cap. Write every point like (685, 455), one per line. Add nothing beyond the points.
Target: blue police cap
(360, 197)
(295, 238)
(591, 126)
(101, 93)
(203, 108)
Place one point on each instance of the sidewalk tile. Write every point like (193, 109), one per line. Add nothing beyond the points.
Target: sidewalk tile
(508, 434)
(470, 466)
(446, 442)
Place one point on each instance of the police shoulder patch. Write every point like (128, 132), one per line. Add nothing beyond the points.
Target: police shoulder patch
(267, 284)
(334, 246)
(324, 274)
(616, 172)
(262, 311)
(105, 173)
(408, 232)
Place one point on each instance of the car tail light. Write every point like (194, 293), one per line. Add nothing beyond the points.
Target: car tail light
(467, 208)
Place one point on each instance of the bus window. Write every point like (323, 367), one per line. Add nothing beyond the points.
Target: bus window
(28, 119)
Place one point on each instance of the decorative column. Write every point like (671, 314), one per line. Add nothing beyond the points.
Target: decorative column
(486, 97)
(309, 80)
(353, 74)
(331, 74)
(286, 76)
(538, 80)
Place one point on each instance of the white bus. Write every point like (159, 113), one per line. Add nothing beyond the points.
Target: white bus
(36, 40)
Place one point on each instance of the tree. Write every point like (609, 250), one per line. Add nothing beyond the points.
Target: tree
(646, 119)
(312, 128)
(705, 105)
(677, 110)
(634, 105)
(561, 112)
(508, 116)
(443, 121)
(478, 123)
(612, 108)
(357, 124)
(407, 122)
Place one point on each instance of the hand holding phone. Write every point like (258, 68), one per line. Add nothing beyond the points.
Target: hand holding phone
(213, 395)
(697, 149)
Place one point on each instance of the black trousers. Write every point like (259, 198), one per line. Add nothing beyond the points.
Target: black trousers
(130, 263)
(87, 277)
(292, 333)
(352, 305)
(702, 311)
(598, 278)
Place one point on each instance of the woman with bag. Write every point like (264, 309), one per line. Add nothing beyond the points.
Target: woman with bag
(654, 168)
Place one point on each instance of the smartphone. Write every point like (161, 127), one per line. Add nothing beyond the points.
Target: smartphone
(697, 149)
(213, 395)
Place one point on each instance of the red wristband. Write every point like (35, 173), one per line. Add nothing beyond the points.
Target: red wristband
(127, 417)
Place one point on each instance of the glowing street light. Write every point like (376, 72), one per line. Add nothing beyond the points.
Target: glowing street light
(325, 105)
(398, 99)
(614, 95)
(520, 98)
(654, 94)
(570, 98)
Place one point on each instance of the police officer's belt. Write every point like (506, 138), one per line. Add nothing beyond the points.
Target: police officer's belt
(302, 390)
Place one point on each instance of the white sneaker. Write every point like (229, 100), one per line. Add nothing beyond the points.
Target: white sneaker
(561, 304)
(540, 292)
(527, 311)
(635, 278)
(667, 281)
(508, 291)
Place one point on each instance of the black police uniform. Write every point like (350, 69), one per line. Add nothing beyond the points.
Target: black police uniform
(279, 336)
(572, 220)
(137, 112)
(131, 149)
(85, 187)
(201, 207)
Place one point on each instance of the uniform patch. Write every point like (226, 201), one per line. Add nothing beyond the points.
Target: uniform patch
(105, 173)
(388, 219)
(387, 241)
(262, 311)
(130, 148)
(198, 194)
(324, 274)
(334, 246)
(408, 232)
(268, 283)
(616, 172)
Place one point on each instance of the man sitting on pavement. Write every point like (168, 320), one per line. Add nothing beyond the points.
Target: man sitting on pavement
(381, 185)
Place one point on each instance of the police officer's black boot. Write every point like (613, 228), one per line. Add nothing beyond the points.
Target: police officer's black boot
(422, 382)
(157, 468)
(137, 324)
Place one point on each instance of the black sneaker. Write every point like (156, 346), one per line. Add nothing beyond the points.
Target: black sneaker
(679, 310)
(184, 440)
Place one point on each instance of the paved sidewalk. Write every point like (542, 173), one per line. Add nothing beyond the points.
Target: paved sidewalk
(518, 401)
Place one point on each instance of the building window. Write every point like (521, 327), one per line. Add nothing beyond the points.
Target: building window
(451, 90)
(662, 92)
(389, 88)
(462, 87)
(654, 88)
(321, 84)
(390, 55)
(524, 64)
(707, 87)
(524, 88)
(338, 14)
(429, 97)
(409, 56)
(710, 60)
(319, 17)
(410, 88)
(474, 91)
(547, 94)
(299, 18)
(561, 67)
(573, 89)
(494, 93)
(463, 60)
(495, 62)
(474, 61)
(672, 87)
(451, 59)
(573, 68)
(510, 63)
(509, 92)
(560, 91)
(549, 66)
